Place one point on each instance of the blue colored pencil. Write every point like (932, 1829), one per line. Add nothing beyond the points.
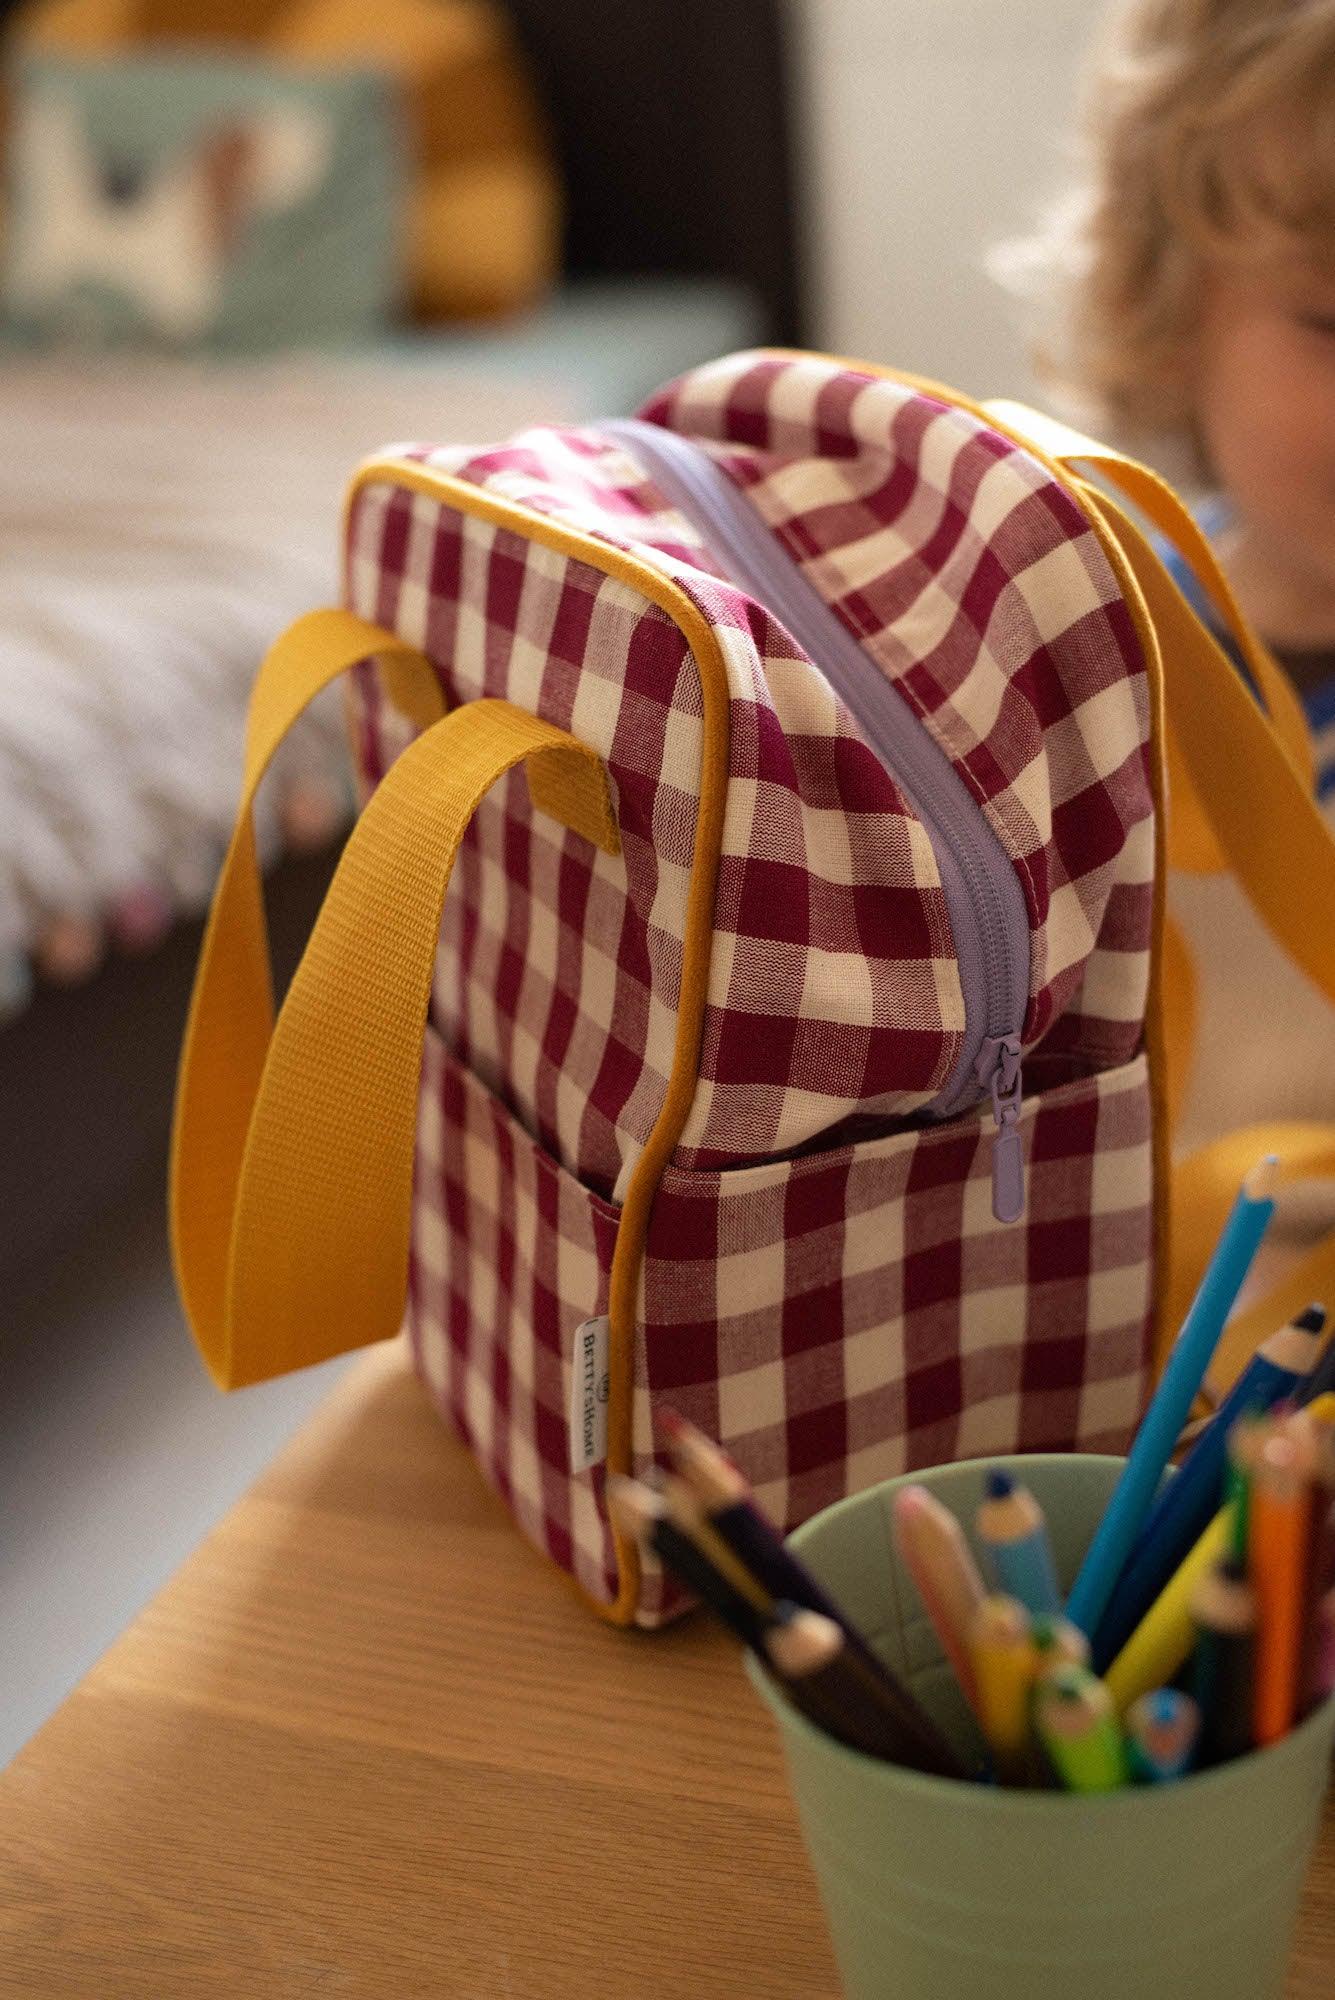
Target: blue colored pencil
(1189, 1502)
(1162, 1731)
(1172, 1400)
(1012, 1530)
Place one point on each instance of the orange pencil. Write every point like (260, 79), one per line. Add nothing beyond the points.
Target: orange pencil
(1279, 1530)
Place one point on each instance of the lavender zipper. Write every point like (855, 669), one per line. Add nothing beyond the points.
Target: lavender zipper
(989, 920)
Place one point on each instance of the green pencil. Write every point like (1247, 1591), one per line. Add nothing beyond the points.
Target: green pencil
(1244, 1448)
(1078, 1727)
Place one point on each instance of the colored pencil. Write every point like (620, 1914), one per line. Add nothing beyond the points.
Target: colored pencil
(813, 1658)
(1223, 1609)
(1003, 1664)
(671, 1521)
(1162, 1730)
(1164, 1637)
(1059, 1643)
(1172, 1400)
(1012, 1529)
(932, 1548)
(735, 1515)
(643, 1514)
(1279, 1534)
(800, 1658)
(1312, 1429)
(1321, 1381)
(1188, 1501)
(1079, 1730)
(686, 1513)
(1244, 1448)
(1325, 1679)
(1310, 1434)
(1317, 1585)
(1307, 1435)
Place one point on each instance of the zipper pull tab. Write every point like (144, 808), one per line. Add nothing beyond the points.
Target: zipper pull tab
(998, 1070)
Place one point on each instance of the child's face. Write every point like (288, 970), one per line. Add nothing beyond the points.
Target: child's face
(1265, 389)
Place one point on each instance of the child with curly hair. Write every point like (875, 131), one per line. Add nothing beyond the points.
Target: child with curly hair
(1192, 274)
(1195, 278)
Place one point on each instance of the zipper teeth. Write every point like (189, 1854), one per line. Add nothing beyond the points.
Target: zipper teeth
(964, 844)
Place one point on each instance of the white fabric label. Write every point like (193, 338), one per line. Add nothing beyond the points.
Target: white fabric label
(588, 1396)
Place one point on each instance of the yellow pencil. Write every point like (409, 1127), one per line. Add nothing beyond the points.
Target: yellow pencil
(1004, 1663)
(1166, 1634)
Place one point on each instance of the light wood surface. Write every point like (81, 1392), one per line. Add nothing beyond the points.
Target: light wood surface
(367, 1745)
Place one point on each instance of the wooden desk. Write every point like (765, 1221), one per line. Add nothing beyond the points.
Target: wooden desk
(366, 1744)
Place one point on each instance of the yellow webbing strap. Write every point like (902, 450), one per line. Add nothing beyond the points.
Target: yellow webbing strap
(292, 1150)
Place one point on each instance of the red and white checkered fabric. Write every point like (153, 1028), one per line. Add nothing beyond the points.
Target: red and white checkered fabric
(976, 583)
(824, 1286)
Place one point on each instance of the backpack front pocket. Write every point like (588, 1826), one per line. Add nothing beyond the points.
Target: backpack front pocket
(841, 1317)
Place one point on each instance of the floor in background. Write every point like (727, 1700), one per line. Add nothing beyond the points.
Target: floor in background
(116, 1457)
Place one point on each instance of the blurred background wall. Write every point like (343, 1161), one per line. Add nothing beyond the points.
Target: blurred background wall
(930, 129)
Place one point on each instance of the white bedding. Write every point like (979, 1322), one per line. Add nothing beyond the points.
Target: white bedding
(159, 523)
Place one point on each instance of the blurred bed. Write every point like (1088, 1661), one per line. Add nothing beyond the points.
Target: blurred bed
(160, 520)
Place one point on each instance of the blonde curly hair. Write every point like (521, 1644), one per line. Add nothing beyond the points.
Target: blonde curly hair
(1209, 134)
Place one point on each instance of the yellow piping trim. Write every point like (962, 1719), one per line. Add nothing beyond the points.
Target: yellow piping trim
(1157, 1032)
(628, 1256)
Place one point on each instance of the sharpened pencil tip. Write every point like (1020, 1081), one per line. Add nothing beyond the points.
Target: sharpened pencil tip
(1260, 1183)
(1312, 1319)
(998, 1485)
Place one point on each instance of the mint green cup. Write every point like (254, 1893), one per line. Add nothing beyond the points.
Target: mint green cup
(936, 1889)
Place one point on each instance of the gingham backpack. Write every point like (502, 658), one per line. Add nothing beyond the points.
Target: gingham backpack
(798, 1040)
